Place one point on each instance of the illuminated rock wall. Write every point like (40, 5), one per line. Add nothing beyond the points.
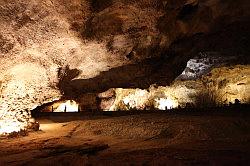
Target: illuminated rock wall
(118, 43)
(25, 86)
(229, 83)
(220, 86)
(162, 98)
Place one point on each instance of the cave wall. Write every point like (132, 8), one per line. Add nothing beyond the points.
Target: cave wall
(113, 43)
(221, 86)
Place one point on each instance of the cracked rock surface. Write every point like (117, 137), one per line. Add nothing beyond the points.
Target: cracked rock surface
(106, 44)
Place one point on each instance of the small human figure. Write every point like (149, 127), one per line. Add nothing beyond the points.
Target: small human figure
(236, 101)
(65, 108)
(230, 103)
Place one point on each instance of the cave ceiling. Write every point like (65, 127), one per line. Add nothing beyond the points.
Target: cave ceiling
(54, 48)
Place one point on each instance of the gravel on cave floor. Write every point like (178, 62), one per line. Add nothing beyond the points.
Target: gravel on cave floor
(152, 139)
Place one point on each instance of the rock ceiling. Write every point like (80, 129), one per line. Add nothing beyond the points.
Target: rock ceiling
(50, 48)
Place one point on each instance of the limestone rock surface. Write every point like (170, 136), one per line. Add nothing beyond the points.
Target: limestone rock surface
(54, 48)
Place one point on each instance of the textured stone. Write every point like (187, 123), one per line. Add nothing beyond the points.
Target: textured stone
(100, 45)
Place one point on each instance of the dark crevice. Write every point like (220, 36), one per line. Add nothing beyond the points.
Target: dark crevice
(187, 11)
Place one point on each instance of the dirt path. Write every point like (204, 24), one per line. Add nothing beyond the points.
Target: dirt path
(150, 139)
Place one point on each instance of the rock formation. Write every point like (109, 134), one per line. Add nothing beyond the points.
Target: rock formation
(221, 86)
(55, 48)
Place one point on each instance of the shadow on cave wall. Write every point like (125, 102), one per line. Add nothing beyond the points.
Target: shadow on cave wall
(65, 76)
(99, 5)
(140, 75)
(227, 39)
(111, 24)
(231, 40)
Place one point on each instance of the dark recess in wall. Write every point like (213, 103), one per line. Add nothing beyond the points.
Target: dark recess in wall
(187, 11)
(99, 5)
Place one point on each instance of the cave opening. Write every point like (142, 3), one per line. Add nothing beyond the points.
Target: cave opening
(124, 82)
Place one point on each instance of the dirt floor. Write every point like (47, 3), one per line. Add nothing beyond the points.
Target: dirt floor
(146, 139)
